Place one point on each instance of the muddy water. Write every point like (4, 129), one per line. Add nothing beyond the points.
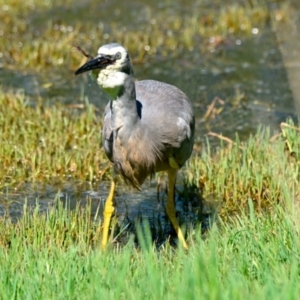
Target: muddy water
(247, 74)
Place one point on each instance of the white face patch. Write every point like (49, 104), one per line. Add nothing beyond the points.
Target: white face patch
(104, 50)
(111, 82)
(112, 78)
(112, 50)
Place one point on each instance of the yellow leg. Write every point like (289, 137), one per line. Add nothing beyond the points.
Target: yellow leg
(171, 208)
(108, 211)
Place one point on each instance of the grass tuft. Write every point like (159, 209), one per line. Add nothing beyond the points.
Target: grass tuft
(45, 144)
(263, 169)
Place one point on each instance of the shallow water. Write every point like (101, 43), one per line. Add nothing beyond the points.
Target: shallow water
(131, 206)
(247, 74)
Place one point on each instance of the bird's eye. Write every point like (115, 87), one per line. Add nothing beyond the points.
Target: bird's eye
(118, 55)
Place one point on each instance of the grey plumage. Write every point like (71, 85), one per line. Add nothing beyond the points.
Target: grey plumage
(164, 127)
(148, 125)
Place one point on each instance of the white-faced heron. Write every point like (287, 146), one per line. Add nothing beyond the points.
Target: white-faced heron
(148, 127)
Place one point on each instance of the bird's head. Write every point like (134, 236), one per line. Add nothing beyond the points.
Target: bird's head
(111, 57)
(113, 65)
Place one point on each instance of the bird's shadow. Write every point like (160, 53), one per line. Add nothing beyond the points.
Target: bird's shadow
(148, 215)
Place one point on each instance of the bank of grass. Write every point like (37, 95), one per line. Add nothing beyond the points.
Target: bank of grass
(252, 253)
(264, 169)
(45, 143)
(40, 34)
(254, 256)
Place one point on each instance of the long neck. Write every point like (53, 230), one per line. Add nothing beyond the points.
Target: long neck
(123, 105)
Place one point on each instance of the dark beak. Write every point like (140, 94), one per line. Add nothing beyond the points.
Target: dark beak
(99, 62)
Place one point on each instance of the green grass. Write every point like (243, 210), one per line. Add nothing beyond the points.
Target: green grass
(252, 251)
(53, 257)
(46, 143)
(263, 169)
